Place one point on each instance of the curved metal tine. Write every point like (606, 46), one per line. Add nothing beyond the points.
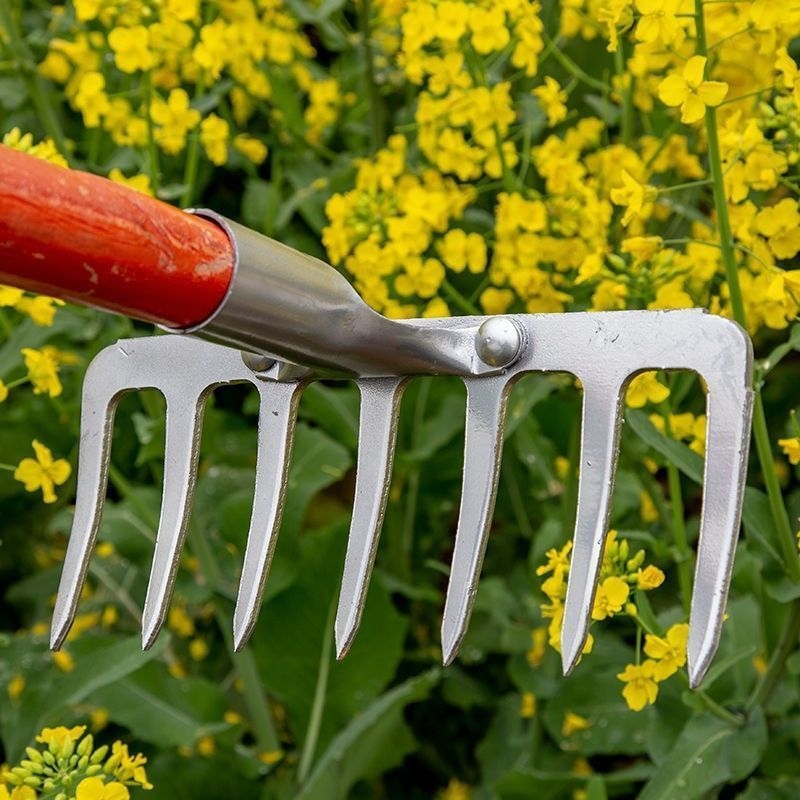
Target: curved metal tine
(729, 410)
(276, 422)
(600, 423)
(380, 406)
(483, 446)
(184, 419)
(102, 387)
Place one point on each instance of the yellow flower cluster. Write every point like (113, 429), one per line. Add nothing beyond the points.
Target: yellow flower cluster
(619, 574)
(391, 233)
(248, 46)
(667, 655)
(70, 766)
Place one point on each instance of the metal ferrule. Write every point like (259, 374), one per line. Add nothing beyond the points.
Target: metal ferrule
(290, 305)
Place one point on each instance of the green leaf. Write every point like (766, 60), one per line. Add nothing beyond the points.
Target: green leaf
(159, 709)
(688, 462)
(260, 205)
(49, 692)
(374, 741)
(709, 752)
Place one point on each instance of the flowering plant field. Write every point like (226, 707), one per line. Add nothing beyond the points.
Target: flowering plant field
(450, 157)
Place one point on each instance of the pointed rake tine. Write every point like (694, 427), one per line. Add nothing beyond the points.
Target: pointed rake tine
(380, 406)
(599, 444)
(276, 423)
(483, 446)
(180, 476)
(99, 403)
(727, 445)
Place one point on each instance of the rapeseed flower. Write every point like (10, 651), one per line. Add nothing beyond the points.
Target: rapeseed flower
(691, 92)
(641, 688)
(42, 472)
(668, 652)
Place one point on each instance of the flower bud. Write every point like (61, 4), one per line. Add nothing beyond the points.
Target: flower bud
(99, 754)
(67, 748)
(85, 745)
(93, 769)
(34, 766)
(34, 754)
(83, 762)
(48, 758)
(33, 782)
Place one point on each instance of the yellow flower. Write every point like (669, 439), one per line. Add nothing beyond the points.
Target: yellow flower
(251, 148)
(63, 660)
(633, 195)
(645, 388)
(496, 301)
(270, 757)
(173, 119)
(669, 652)
(42, 472)
(96, 789)
(16, 686)
(9, 296)
(552, 98)
(3, 391)
(612, 594)
(214, 132)
(131, 47)
(780, 224)
(791, 449)
(126, 767)
(574, 723)
(651, 577)
(42, 371)
(642, 248)
(459, 249)
(60, 735)
(641, 688)
(139, 182)
(527, 705)
(41, 309)
(91, 99)
(455, 790)
(198, 649)
(206, 746)
(17, 793)
(689, 91)
(658, 22)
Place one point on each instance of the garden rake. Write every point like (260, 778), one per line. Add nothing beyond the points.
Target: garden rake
(242, 308)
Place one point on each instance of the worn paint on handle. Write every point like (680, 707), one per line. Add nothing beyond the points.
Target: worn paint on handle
(85, 239)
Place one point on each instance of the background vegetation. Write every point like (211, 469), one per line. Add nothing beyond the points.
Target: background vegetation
(451, 157)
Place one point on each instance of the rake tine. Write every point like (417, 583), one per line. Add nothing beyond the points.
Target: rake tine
(599, 445)
(180, 476)
(727, 444)
(380, 406)
(483, 446)
(97, 417)
(276, 422)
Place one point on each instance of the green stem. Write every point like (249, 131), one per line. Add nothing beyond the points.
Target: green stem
(318, 705)
(192, 158)
(627, 116)
(573, 69)
(458, 299)
(9, 467)
(373, 95)
(152, 150)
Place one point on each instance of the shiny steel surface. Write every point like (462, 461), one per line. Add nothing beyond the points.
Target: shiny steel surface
(603, 350)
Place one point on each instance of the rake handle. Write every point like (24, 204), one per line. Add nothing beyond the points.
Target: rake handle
(88, 240)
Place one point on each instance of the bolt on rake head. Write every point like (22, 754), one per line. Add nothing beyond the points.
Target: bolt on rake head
(603, 350)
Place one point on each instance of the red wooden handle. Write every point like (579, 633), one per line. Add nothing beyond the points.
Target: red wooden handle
(88, 240)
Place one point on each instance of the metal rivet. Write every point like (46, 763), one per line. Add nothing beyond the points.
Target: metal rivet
(499, 342)
(257, 363)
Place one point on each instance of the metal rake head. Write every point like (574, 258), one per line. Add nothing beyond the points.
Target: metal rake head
(603, 350)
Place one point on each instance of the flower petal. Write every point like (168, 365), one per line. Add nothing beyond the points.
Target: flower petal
(712, 93)
(29, 472)
(672, 91)
(692, 109)
(694, 71)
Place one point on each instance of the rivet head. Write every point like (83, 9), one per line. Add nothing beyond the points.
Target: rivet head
(257, 362)
(498, 342)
